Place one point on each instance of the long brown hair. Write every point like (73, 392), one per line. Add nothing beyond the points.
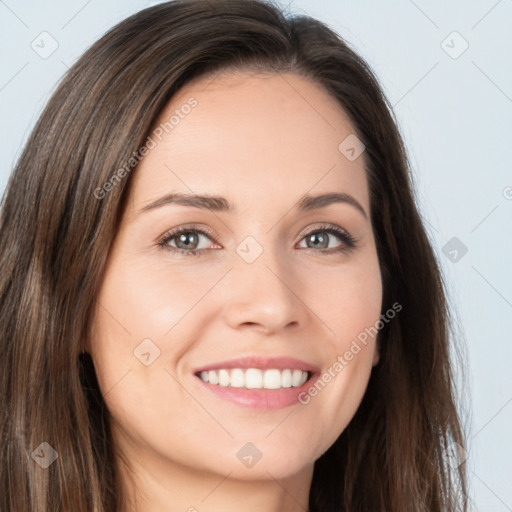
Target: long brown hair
(58, 221)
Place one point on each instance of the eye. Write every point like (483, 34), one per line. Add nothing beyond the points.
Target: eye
(185, 240)
(320, 238)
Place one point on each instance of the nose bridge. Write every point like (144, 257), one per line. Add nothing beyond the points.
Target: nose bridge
(263, 291)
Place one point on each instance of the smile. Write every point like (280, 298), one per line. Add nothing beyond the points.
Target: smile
(254, 378)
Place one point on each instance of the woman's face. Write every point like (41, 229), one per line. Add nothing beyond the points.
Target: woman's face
(258, 291)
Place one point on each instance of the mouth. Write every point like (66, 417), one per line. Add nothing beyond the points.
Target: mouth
(256, 382)
(255, 378)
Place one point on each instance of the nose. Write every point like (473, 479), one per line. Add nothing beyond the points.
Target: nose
(265, 296)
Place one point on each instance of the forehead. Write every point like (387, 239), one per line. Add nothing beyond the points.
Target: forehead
(252, 137)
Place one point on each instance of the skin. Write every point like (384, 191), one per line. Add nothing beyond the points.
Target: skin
(262, 141)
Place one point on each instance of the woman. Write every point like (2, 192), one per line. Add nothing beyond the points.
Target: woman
(299, 360)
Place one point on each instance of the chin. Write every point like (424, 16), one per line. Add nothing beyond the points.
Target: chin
(272, 469)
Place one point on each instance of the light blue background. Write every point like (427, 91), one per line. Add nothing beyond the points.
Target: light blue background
(456, 117)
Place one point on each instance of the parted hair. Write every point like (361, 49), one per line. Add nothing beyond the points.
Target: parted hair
(56, 232)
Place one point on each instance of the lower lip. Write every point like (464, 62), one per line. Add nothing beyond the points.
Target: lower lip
(259, 398)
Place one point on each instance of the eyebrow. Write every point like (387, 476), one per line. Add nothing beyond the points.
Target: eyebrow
(221, 204)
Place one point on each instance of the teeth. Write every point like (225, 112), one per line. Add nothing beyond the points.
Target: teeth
(254, 378)
(297, 378)
(272, 379)
(223, 378)
(286, 377)
(237, 378)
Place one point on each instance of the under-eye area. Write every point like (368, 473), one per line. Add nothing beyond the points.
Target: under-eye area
(217, 290)
(191, 240)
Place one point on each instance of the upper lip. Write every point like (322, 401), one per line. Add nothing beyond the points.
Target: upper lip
(263, 363)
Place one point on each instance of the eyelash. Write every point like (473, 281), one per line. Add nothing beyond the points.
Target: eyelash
(349, 242)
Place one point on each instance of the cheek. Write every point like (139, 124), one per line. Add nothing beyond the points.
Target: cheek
(149, 305)
(142, 309)
(148, 299)
(350, 307)
(132, 353)
(347, 299)
(162, 303)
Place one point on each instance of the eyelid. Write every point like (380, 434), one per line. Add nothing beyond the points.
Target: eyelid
(171, 233)
(322, 227)
(348, 241)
